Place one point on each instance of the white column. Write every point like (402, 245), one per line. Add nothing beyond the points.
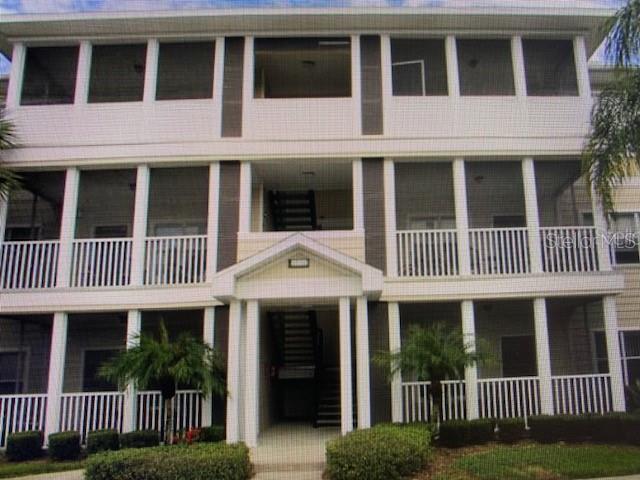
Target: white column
(346, 387)
(519, 74)
(394, 347)
(453, 75)
(356, 84)
(233, 372)
(218, 81)
(543, 356)
(470, 371)
(4, 210)
(151, 70)
(387, 84)
(14, 89)
(56, 373)
(212, 221)
(389, 182)
(531, 209)
(244, 225)
(68, 226)
(613, 353)
(600, 224)
(582, 67)
(130, 414)
(140, 214)
(247, 76)
(252, 390)
(83, 74)
(362, 363)
(358, 197)
(462, 216)
(208, 337)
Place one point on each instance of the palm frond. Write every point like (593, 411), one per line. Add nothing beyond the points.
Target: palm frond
(8, 180)
(623, 42)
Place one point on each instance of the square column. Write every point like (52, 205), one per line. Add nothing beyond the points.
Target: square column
(519, 75)
(543, 355)
(531, 209)
(151, 70)
(470, 371)
(244, 222)
(582, 68)
(462, 216)
(233, 372)
(389, 182)
(453, 75)
(394, 347)
(208, 337)
(252, 375)
(130, 415)
(362, 363)
(212, 221)
(140, 214)
(4, 209)
(613, 353)
(346, 388)
(56, 373)
(68, 227)
(83, 75)
(14, 89)
(358, 199)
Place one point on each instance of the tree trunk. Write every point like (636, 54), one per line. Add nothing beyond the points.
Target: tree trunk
(436, 394)
(168, 421)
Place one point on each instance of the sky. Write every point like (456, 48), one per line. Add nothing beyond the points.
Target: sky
(8, 7)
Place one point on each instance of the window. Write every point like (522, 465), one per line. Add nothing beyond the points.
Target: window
(12, 372)
(600, 352)
(185, 70)
(418, 67)
(431, 223)
(178, 229)
(93, 360)
(509, 221)
(550, 67)
(519, 356)
(117, 73)
(631, 356)
(485, 67)
(302, 67)
(625, 228)
(49, 75)
(23, 233)
(110, 231)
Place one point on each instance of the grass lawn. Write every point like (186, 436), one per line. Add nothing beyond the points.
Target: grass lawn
(529, 461)
(34, 467)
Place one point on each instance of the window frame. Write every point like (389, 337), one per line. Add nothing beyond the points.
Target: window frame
(26, 354)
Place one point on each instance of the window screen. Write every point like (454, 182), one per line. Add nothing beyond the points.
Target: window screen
(117, 73)
(49, 75)
(550, 67)
(519, 356)
(93, 361)
(485, 67)
(418, 67)
(11, 372)
(185, 70)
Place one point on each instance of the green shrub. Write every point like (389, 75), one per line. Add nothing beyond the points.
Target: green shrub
(384, 452)
(24, 446)
(64, 446)
(194, 462)
(611, 428)
(511, 430)
(214, 433)
(140, 439)
(459, 433)
(102, 440)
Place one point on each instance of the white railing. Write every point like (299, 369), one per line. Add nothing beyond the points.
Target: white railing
(20, 413)
(569, 249)
(31, 264)
(508, 397)
(86, 412)
(579, 394)
(427, 253)
(417, 401)
(101, 262)
(187, 410)
(499, 251)
(175, 260)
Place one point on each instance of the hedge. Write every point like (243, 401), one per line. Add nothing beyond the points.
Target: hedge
(194, 462)
(24, 446)
(384, 452)
(611, 428)
(459, 433)
(103, 440)
(511, 430)
(215, 433)
(64, 446)
(140, 439)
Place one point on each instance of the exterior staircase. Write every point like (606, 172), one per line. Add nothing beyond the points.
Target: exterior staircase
(328, 407)
(293, 211)
(296, 334)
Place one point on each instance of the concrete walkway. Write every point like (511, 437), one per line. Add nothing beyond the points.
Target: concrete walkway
(70, 475)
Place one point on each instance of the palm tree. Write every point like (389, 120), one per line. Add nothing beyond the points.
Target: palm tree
(434, 353)
(8, 179)
(165, 363)
(611, 152)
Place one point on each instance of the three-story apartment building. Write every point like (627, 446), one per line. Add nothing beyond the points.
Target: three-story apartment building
(298, 187)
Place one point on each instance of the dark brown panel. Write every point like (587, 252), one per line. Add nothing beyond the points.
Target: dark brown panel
(221, 341)
(371, 75)
(379, 341)
(374, 226)
(232, 87)
(228, 214)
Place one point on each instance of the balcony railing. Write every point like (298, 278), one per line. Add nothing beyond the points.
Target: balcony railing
(417, 401)
(509, 397)
(101, 262)
(21, 413)
(499, 251)
(579, 394)
(86, 412)
(175, 260)
(427, 253)
(187, 410)
(31, 264)
(569, 249)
